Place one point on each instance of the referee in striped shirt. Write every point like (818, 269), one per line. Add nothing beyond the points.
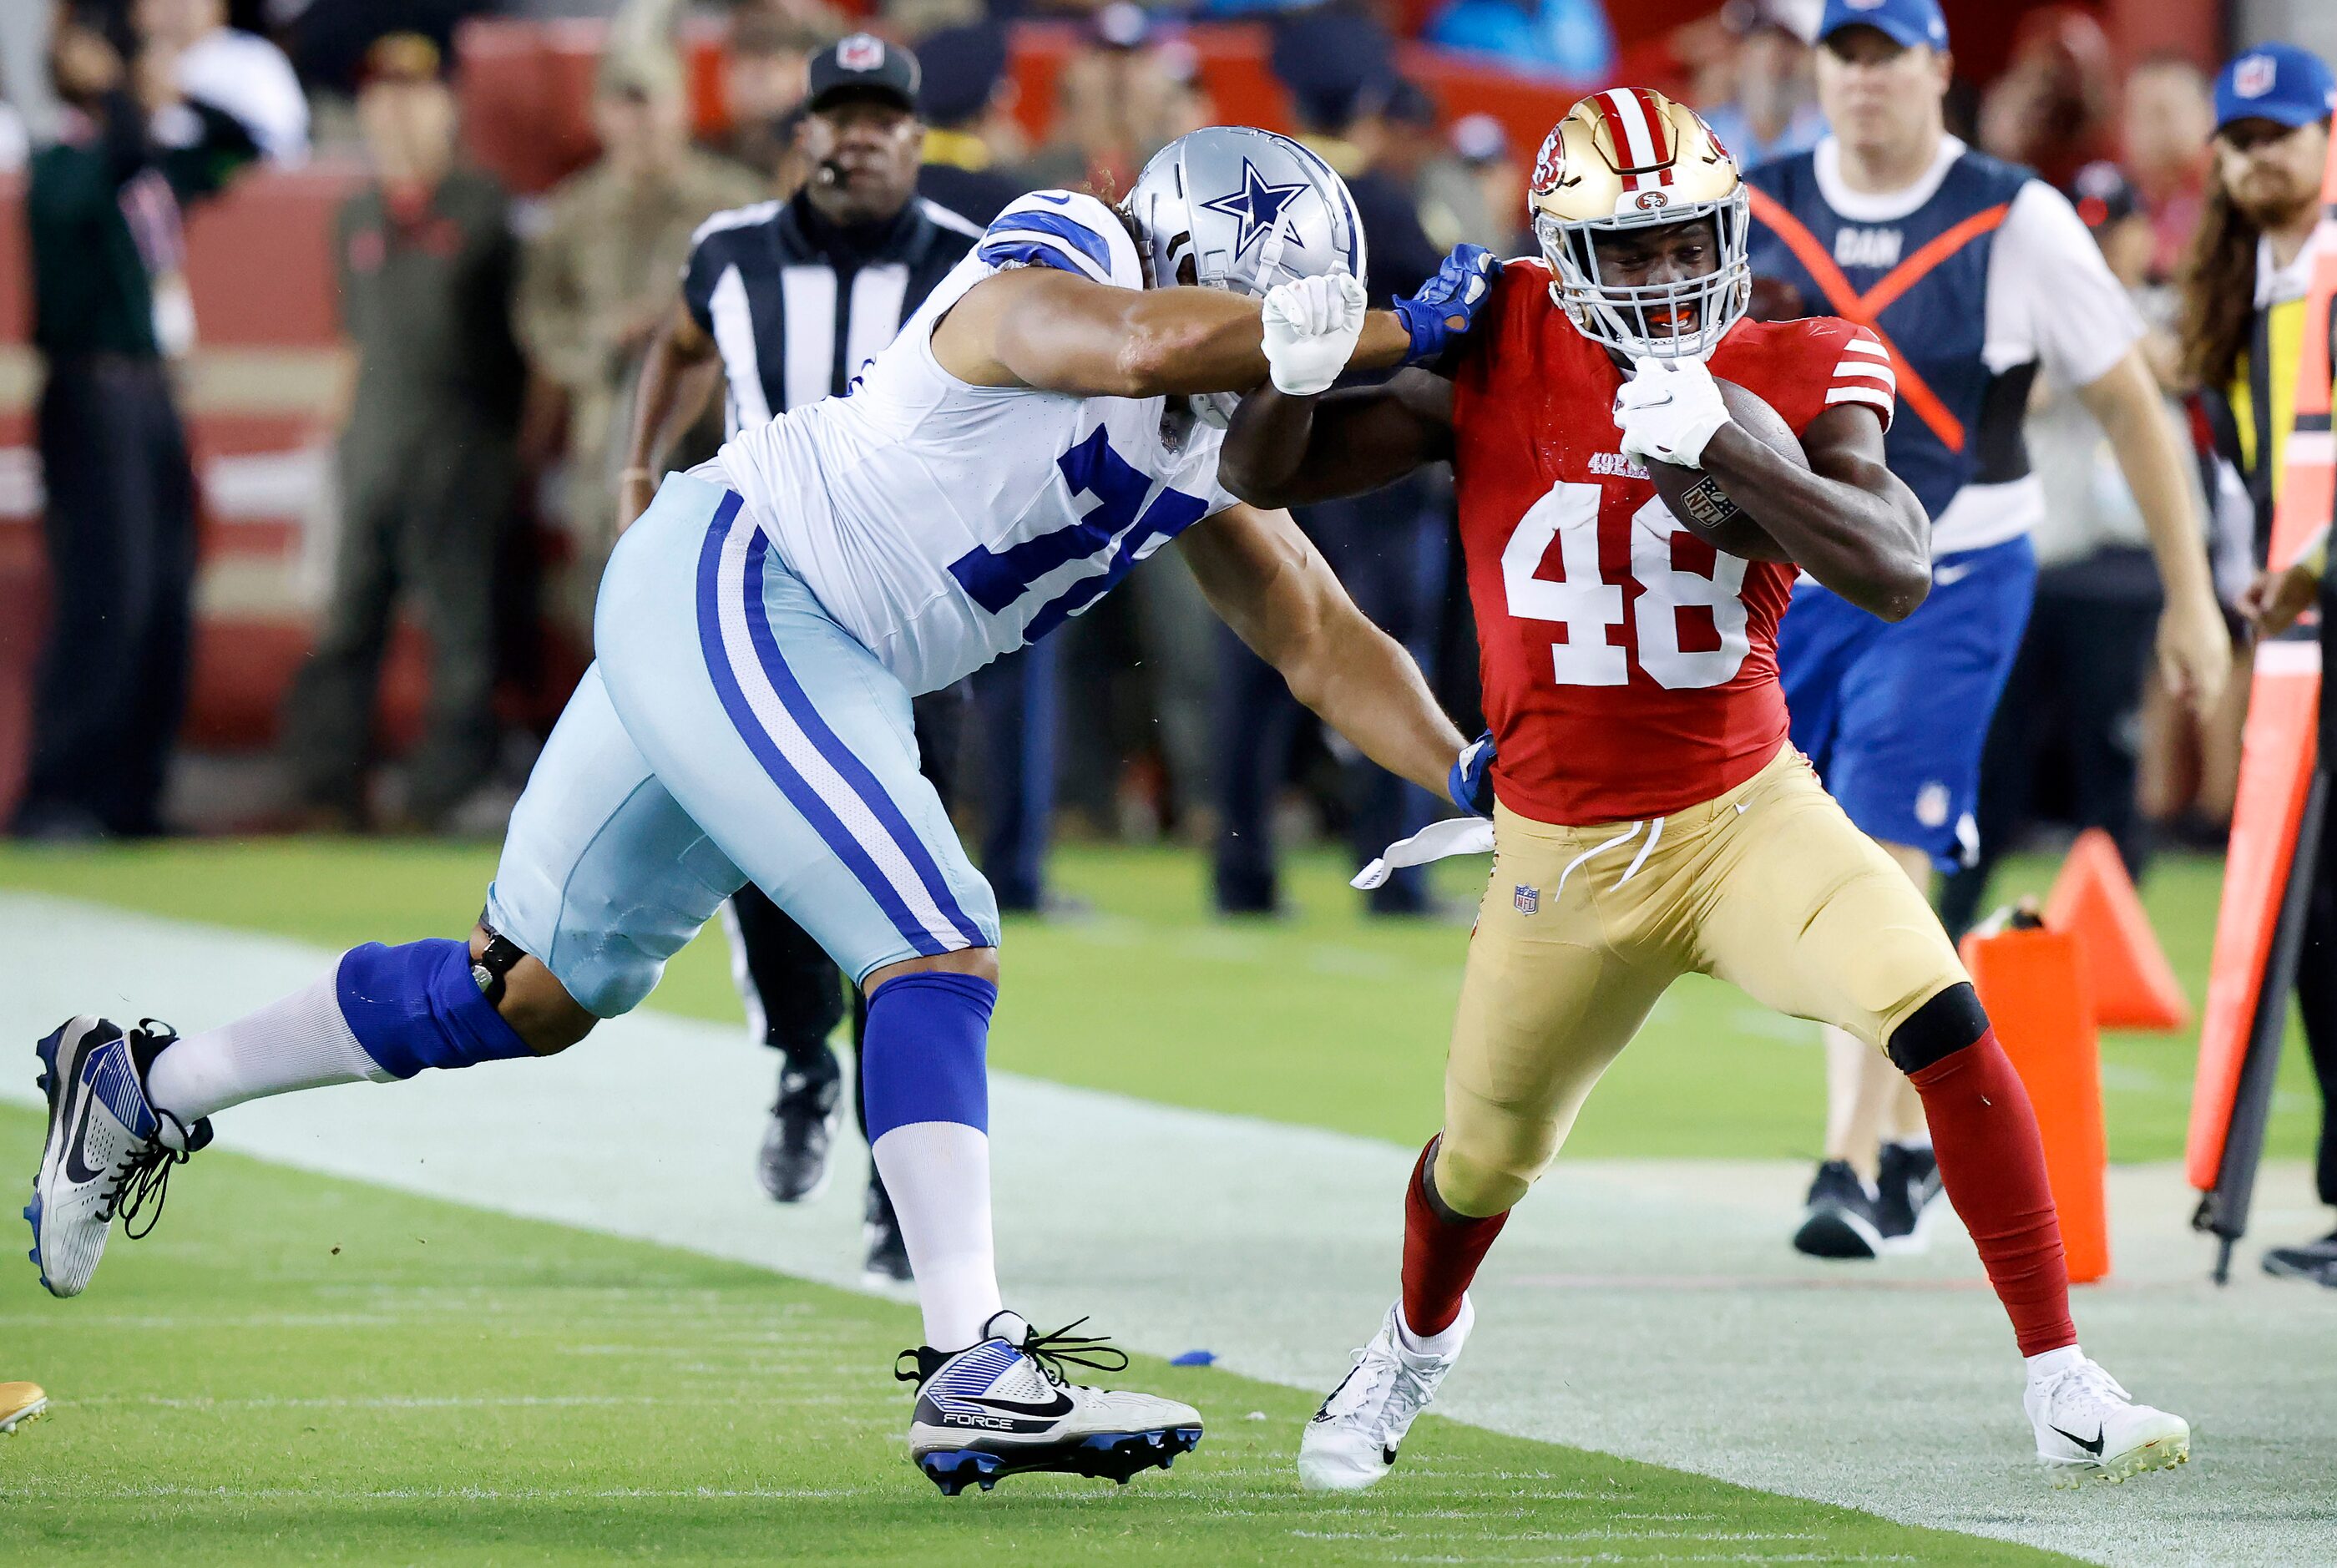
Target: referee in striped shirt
(783, 302)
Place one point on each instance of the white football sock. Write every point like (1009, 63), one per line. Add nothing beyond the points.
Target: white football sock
(1439, 1344)
(2050, 1364)
(299, 1043)
(937, 1174)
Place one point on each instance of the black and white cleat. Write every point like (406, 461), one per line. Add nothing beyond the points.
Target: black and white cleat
(1004, 1406)
(108, 1151)
(1839, 1220)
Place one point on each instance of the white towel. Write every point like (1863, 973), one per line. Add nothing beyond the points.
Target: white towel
(1438, 840)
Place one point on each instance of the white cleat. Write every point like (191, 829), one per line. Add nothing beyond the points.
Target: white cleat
(2090, 1429)
(1004, 1406)
(1353, 1439)
(109, 1149)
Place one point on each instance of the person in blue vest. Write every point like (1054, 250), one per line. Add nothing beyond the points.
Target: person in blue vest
(1977, 274)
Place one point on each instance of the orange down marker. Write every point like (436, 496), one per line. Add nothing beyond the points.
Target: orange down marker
(2035, 987)
(2094, 899)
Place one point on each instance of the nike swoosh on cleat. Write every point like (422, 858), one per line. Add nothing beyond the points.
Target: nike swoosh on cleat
(2093, 1447)
(1322, 1412)
(76, 1171)
(1060, 1404)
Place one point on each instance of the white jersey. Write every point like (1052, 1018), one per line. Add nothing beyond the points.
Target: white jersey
(943, 523)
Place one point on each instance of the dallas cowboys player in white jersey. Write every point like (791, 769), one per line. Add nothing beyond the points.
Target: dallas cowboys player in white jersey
(1049, 418)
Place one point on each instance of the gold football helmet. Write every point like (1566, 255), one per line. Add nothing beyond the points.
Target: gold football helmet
(1632, 158)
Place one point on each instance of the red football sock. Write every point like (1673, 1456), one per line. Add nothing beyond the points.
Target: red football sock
(1441, 1254)
(1992, 1164)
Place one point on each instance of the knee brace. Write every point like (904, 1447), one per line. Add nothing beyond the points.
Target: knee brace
(1938, 1029)
(425, 1005)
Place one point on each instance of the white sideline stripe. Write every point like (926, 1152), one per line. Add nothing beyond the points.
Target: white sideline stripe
(805, 756)
(1648, 1309)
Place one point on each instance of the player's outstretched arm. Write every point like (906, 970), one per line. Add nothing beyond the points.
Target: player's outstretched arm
(1040, 328)
(2195, 650)
(1847, 520)
(1288, 450)
(1273, 588)
(679, 372)
(1289, 445)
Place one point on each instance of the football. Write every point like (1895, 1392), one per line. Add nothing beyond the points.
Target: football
(1704, 508)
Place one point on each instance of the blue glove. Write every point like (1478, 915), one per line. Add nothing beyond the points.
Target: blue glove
(1471, 783)
(1447, 305)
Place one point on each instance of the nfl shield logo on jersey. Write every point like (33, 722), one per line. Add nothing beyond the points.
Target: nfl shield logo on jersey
(1527, 899)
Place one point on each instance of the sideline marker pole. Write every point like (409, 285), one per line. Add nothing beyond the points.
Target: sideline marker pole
(2247, 1002)
(2224, 1211)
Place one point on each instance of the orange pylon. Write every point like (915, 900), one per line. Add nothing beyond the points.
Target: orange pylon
(2033, 983)
(2133, 985)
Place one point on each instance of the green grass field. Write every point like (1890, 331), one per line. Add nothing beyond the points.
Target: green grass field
(1329, 1018)
(297, 1369)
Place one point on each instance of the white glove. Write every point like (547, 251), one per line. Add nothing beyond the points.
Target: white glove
(1310, 328)
(1668, 410)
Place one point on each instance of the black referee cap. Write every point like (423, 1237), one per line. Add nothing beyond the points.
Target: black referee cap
(862, 66)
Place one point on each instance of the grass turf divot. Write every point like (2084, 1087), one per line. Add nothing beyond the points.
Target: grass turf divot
(300, 1369)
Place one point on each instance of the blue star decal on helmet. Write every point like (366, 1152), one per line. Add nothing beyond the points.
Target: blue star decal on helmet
(1257, 204)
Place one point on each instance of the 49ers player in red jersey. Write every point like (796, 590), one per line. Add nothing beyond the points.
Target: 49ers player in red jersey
(1649, 819)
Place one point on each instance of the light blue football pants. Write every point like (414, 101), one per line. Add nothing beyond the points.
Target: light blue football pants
(730, 731)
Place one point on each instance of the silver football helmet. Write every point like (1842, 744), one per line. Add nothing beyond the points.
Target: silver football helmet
(1232, 207)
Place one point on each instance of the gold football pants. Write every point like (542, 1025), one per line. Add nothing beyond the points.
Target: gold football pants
(1768, 887)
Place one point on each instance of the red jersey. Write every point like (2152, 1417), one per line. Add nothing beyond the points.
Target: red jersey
(1629, 670)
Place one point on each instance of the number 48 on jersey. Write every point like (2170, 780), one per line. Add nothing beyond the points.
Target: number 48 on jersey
(1686, 625)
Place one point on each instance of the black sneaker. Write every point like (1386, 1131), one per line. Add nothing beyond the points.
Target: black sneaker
(1906, 1188)
(794, 1166)
(1840, 1219)
(2312, 1260)
(888, 1255)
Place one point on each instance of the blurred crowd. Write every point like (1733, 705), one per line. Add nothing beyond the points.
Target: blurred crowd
(497, 344)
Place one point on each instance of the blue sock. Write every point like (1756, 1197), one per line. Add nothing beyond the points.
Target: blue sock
(925, 1056)
(416, 1006)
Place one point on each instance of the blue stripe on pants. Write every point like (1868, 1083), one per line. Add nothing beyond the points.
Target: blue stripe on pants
(840, 757)
(799, 790)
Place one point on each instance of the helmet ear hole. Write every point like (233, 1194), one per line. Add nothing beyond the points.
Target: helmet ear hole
(1188, 274)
